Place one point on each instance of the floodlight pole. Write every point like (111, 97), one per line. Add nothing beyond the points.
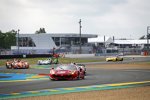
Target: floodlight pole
(148, 29)
(18, 40)
(80, 35)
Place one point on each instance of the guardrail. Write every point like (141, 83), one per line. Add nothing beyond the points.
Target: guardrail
(24, 56)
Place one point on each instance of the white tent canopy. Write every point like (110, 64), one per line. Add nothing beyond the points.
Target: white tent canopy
(101, 39)
(130, 41)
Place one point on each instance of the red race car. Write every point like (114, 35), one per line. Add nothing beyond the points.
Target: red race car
(67, 72)
(17, 64)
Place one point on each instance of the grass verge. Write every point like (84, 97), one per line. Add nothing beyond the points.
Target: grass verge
(61, 60)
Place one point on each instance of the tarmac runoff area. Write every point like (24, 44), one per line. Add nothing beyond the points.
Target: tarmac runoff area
(93, 56)
(75, 89)
(136, 93)
(18, 77)
(61, 91)
(133, 75)
(87, 89)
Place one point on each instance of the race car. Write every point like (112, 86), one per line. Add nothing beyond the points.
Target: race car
(17, 64)
(66, 72)
(48, 61)
(83, 67)
(44, 62)
(114, 58)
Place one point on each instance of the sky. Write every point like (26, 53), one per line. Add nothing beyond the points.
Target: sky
(119, 18)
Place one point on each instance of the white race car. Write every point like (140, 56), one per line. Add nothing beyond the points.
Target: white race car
(82, 66)
(44, 62)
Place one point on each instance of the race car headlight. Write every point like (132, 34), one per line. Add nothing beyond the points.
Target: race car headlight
(26, 63)
(52, 72)
(73, 72)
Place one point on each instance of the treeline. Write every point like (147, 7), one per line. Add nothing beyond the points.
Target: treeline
(7, 39)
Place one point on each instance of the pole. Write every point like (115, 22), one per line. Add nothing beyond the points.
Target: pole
(105, 46)
(18, 41)
(80, 35)
(148, 28)
(104, 42)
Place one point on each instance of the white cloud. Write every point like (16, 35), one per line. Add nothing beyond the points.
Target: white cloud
(122, 18)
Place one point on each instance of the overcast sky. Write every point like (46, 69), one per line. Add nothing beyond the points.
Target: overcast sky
(119, 18)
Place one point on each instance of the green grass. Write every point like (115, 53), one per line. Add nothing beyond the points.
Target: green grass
(144, 62)
(61, 60)
(2, 62)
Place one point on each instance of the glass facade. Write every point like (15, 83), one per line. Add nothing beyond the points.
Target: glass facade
(69, 41)
(26, 42)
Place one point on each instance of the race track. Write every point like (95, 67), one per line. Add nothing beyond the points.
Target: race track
(95, 76)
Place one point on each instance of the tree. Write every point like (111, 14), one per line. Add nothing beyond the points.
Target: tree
(41, 30)
(2, 42)
(145, 36)
(142, 37)
(7, 39)
(148, 36)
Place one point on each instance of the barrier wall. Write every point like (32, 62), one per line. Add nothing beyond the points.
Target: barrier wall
(24, 56)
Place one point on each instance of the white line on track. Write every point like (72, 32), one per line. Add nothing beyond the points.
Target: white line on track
(148, 71)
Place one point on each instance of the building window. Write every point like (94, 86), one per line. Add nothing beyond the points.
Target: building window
(26, 42)
(68, 41)
(65, 41)
(56, 40)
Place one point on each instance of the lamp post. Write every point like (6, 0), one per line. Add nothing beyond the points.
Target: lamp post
(80, 35)
(18, 40)
(148, 29)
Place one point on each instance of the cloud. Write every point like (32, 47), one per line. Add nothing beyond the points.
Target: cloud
(125, 20)
(121, 18)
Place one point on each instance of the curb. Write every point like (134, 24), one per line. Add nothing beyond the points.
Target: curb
(74, 89)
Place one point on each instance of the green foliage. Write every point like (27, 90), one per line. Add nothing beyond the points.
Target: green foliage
(7, 39)
(41, 30)
(145, 36)
(148, 36)
(142, 37)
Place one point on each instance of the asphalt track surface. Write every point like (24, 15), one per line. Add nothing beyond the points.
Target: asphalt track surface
(95, 76)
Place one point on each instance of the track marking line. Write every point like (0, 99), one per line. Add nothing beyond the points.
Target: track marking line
(33, 92)
(15, 93)
(69, 88)
(74, 89)
(83, 87)
(53, 90)
(138, 70)
(18, 77)
(128, 83)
